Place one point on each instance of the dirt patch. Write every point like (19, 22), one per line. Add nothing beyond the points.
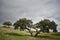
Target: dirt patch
(33, 38)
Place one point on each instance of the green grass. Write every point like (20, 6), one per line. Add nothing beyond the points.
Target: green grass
(11, 34)
(49, 36)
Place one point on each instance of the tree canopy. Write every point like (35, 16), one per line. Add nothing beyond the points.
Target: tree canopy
(45, 25)
(7, 23)
(24, 24)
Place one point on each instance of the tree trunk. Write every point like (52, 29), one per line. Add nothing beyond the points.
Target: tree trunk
(29, 31)
(47, 30)
(54, 30)
(37, 33)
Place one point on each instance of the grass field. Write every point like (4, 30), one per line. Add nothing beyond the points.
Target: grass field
(11, 34)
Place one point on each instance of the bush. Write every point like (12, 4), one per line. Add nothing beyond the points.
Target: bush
(4, 27)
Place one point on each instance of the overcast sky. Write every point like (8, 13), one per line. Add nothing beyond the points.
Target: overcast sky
(12, 10)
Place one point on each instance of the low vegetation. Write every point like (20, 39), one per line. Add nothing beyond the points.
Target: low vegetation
(22, 30)
(11, 34)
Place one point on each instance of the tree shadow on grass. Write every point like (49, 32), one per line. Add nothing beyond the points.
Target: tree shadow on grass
(45, 37)
(58, 34)
(15, 34)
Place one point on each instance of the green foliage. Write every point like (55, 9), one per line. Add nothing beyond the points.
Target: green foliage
(23, 23)
(46, 24)
(7, 23)
(53, 26)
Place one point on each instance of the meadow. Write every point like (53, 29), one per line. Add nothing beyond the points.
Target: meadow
(11, 34)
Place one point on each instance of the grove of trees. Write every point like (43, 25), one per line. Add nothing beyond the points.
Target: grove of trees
(24, 23)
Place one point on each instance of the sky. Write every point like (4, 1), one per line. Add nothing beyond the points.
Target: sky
(36, 10)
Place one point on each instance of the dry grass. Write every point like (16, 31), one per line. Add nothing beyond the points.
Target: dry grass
(24, 35)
